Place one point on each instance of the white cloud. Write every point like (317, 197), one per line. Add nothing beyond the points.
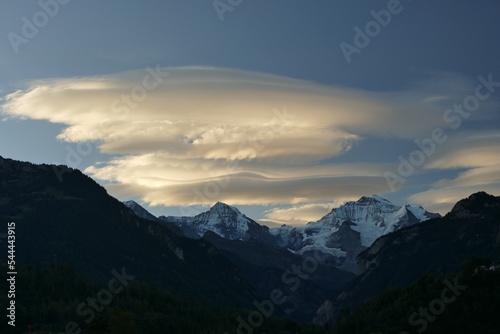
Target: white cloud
(299, 214)
(469, 151)
(195, 135)
(443, 199)
(474, 176)
(478, 154)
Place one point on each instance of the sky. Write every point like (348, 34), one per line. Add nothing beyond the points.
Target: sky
(284, 109)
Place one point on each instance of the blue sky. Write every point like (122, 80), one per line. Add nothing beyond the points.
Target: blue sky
(210, 128)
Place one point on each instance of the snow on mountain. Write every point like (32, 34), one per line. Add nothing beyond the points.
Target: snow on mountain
(421, 213)
(341, 234)
(222, 219)
(139, 210)
(372, 217)
(349, 229)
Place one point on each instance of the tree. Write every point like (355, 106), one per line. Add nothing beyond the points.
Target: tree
(121, 322)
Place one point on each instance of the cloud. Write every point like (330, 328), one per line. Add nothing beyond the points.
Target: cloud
(300, 214)
(241, 184)
(468, 151)
(195, 135)
(478, 155)
(475, 176)
(194, 99)
(165, 181)
(443, 199)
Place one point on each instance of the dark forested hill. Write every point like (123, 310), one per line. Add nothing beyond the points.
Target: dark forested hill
(55, 299)
(462, 303)
(75, 221)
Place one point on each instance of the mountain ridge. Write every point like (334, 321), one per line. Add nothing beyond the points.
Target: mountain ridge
(224, 220)
(341, 234)
(367, 219)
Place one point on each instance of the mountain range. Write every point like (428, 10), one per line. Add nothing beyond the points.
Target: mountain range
(224, 259)
(339, 236)
(263, 254)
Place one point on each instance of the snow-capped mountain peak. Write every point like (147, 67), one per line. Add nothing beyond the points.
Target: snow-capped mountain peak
(222, 219)
(350, 228)
(381, 199)
(342, 234)
(374, 198)
(223, 208)
(373, 217)
(139, 210)
(420, 213)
